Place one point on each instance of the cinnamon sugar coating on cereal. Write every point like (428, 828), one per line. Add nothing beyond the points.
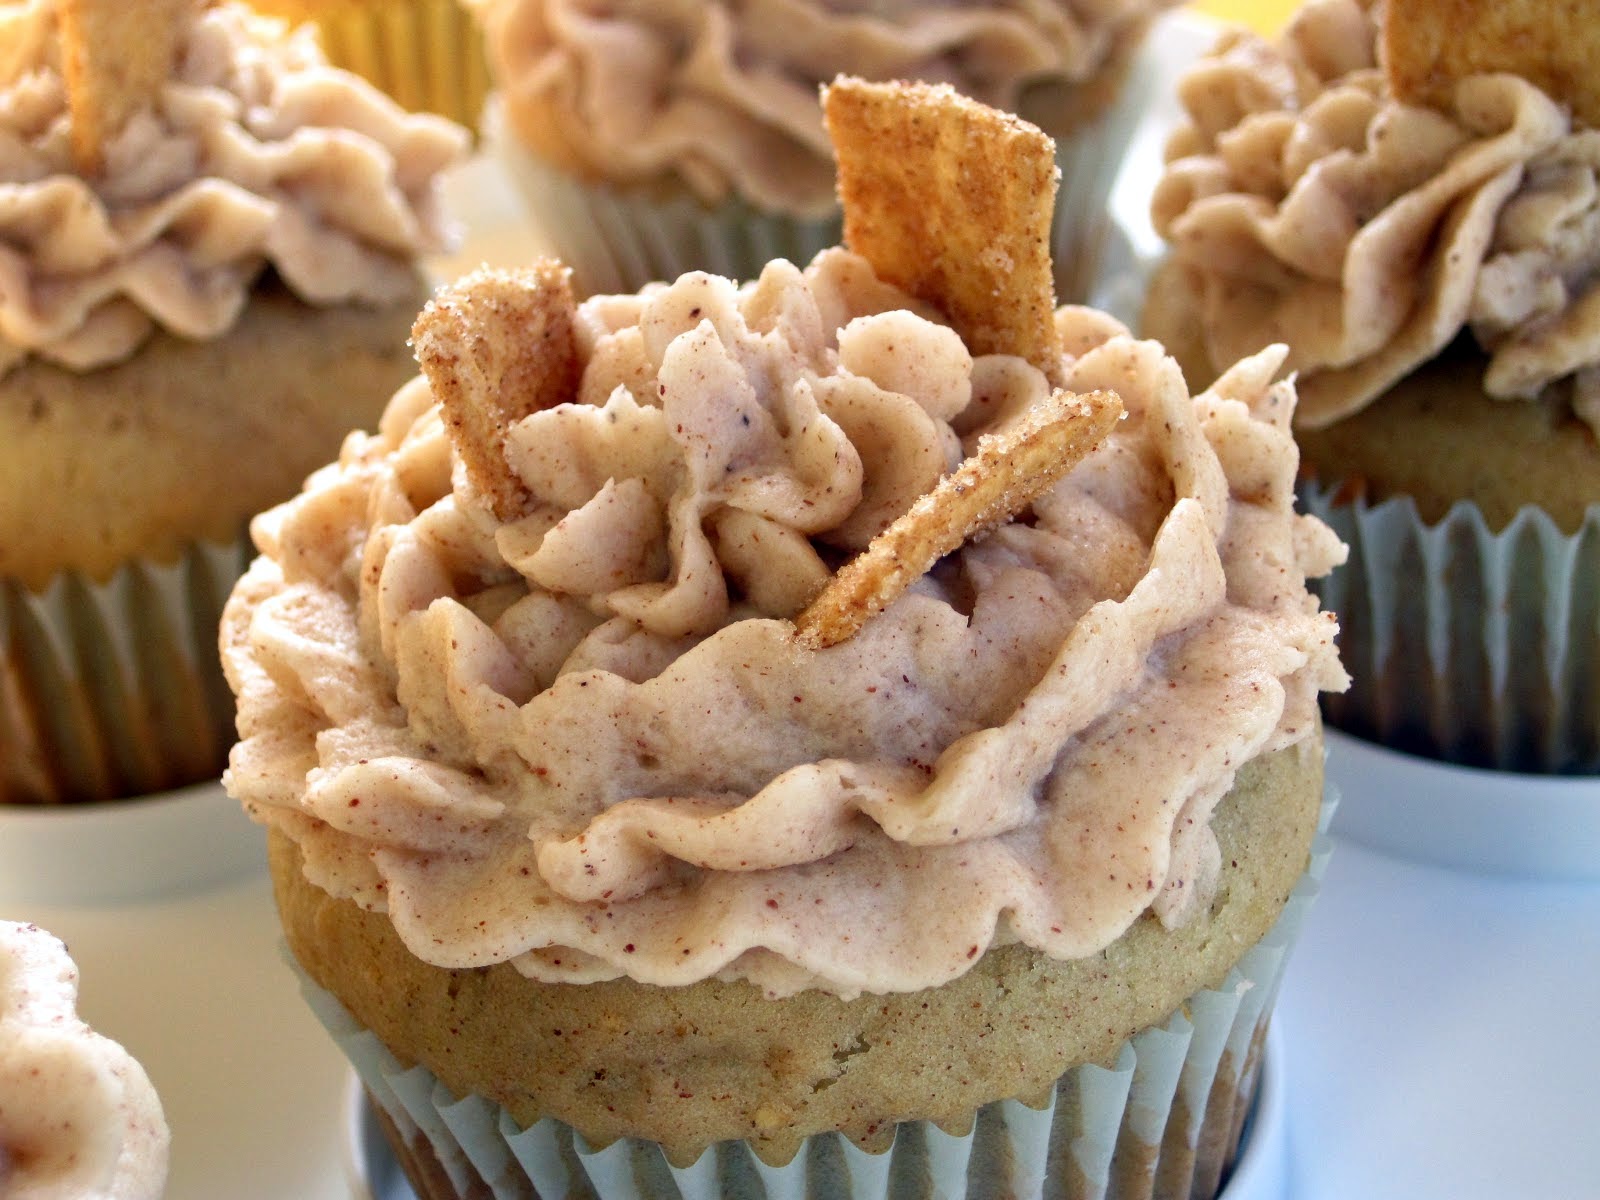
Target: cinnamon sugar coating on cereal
(951, 201)
(497, 346)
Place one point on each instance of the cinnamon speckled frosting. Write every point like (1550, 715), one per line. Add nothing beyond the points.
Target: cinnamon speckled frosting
(78, 1117)
(258, 154)
(1310, 207)
(587, 741)
(723, 96)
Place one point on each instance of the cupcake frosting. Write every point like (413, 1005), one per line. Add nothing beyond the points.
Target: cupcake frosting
(257, 154)
(723, 96)
(587, 741)
(1311, 207)
(78, 1117)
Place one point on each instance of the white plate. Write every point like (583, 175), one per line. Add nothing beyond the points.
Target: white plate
(125, 851)
(1441, 1024)
(1497, 822)
(1261, 1173)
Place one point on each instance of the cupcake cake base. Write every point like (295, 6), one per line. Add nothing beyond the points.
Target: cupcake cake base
(1171, 1107)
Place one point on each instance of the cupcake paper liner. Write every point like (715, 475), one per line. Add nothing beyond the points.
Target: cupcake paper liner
(427, 54)
(1164, 1120)
(618, 239)
(115, 689)
(1467, 645)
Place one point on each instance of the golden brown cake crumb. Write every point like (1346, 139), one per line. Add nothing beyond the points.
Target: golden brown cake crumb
(718, 1060)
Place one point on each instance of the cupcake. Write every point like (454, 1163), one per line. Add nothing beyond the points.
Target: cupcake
(78, 1116)
(427, 54)
(210, 264)
(1406, 195)
(653, 139)
(845, 733)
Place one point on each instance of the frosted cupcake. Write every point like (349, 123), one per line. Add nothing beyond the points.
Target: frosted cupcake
(1420, 233)
(653, 139)
(210, 264)
(631, 843)
(78, 1116)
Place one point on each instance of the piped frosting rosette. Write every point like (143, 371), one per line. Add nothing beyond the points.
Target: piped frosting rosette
(586, 740)
(257, 155)
(1305, 204)
(78, 1116)
(689, 135)
(1312, 208)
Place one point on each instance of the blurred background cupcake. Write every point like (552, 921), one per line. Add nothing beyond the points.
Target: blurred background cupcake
(78, 1115)
(652, 139)
(209, 265)
(616, 872)
(1407, 195)
(427, 54)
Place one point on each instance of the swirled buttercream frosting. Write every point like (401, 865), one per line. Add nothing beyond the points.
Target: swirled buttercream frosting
(722, 97)
(1309, 206)
(256, 154)
(586, 740)
(78, 1117)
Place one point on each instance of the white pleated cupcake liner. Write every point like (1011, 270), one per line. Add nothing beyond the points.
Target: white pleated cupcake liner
(1163, 1121)
(618, 239)
(426, 54)
(1464, 644)
(115, 689)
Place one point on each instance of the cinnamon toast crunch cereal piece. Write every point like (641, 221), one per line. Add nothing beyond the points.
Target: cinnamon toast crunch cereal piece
(1429, 45)
(952, 201)
(115, 56)
(496, 346)
(1010, 469)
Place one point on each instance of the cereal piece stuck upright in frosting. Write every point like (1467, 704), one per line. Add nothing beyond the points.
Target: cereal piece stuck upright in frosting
(723, 96)
(1305, 204)
(78, 1116)
(253, 154)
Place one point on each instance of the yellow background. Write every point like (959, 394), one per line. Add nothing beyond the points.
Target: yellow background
(1265, 15)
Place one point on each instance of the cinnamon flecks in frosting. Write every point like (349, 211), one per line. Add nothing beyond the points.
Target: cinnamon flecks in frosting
(586, 740)
(723, 96)
(257, 155)
(78, 1116)
(1307, 206)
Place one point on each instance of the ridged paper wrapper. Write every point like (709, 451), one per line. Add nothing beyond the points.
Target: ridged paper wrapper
(1464, 644)
(1163, 1121)
(114, 689)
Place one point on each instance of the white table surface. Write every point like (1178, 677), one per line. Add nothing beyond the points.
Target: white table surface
(186, 970)
(1441, 1036)
(1440, 1020)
